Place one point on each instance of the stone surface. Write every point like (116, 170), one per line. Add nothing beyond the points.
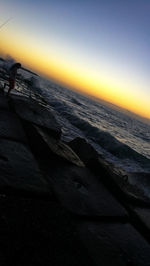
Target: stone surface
(83, 149)
(33, 112)
(114, 244)
(10, 127)
(19, 171)
(36, 233)
(133, 186)
(3, 103)
(81, 193)
(140, 182)
(144, 216)
(60, 148)
(75, 201)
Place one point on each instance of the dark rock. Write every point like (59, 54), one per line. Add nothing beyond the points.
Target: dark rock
(60, 148)
(83, 149)
(133, 185)
(10, 127)
(129, 184)
(1, 87)
(36, 233)
(140, 181)
(19, 171)
(3, 103)
(37, 114)
(144, 216)
(114, 244)
(81, 193)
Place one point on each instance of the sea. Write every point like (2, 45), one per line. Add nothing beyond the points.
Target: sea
(118, 137)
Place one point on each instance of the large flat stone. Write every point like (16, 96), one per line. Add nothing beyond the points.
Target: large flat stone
(114, 244)
(35, 232)
(18, 169)
(140, 183)
(143, 215)
(59, 148)
(10, 127)
(83, 149)
(132, 186)
(32, 111)
(81, 193)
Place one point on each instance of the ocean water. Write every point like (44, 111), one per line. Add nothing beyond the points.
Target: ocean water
(120, 138)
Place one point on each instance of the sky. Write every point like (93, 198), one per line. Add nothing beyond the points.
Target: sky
(98, 47)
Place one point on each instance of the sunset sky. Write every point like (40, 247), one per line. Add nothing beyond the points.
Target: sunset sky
(99, 47)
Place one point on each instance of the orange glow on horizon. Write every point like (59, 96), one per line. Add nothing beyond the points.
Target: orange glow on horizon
(52, 68)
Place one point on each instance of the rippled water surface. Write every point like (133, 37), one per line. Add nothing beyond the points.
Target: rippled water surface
(121, 138)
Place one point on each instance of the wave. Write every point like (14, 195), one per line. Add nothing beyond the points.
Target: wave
(104, 139)
(110, 143)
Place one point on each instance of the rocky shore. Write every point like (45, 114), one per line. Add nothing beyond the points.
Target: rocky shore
(61, 203)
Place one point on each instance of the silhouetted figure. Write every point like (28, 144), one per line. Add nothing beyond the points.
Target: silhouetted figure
(12, 76)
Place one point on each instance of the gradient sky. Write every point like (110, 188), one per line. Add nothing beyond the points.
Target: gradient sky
(98, 47)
